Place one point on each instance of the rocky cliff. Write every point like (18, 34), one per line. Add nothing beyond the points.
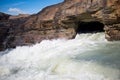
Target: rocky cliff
(64, 20)
(9, 25)
(4, 26)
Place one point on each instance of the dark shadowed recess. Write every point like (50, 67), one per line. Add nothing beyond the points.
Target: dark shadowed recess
(90, 27)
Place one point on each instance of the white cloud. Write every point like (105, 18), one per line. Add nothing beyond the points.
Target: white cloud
(16, 10)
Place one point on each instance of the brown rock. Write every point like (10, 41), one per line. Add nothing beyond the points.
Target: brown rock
(4, 27)
(4, 16)
(19, 16)
(112, 32)
(63, 20)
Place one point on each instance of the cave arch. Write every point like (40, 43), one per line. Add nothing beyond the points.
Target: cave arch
(89, 27)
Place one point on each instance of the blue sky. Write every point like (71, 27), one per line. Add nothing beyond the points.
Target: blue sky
(15, 7)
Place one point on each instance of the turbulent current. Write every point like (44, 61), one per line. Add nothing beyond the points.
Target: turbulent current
(87, 57)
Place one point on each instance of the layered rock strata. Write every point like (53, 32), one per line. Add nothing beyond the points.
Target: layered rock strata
(63, 20)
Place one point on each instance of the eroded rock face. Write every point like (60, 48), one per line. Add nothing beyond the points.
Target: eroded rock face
(19, 16)
(9, 27)
(4, 27)
(4, 16)
(64, 20)
(112, 32)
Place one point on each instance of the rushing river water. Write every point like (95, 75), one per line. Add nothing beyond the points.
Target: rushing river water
(87, 57)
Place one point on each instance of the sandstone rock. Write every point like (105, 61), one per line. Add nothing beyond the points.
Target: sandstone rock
(112, 32)
(4, 27)
(63, 20)
(4, 16)
(19, 16)
(9, 26)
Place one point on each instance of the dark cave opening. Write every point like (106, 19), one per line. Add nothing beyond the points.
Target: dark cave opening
(90, 27)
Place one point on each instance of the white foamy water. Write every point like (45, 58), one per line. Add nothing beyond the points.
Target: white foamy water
(87, 57)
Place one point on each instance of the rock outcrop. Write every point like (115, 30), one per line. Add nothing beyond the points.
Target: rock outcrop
(9, 26)
(64, 20)
(19, 16)
(4, 16)
(112, 32)
(4, 26)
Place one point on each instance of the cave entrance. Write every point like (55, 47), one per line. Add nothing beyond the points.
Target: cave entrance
(90, 27)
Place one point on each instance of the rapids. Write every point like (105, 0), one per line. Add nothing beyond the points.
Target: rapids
(87, 57)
